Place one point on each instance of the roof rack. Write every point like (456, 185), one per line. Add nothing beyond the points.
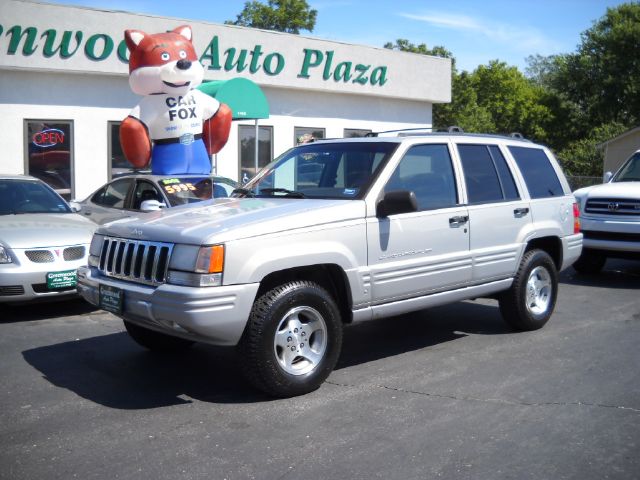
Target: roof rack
(453, 129)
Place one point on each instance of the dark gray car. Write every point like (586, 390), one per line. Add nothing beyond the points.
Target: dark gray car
(128, 195)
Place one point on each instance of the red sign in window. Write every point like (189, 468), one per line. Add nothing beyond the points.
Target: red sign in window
(48, 138)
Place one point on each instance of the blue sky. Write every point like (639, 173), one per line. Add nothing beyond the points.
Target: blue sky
(476, 31)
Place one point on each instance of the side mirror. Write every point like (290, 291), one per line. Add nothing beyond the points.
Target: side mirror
(152, 206)
(397, 201)
(607, 176)
(75, 206)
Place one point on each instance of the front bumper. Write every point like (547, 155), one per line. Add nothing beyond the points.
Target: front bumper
(215, 315)
(614, 235)
(27, 281)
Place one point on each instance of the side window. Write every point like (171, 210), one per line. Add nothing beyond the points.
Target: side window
(480, 174)
(116, 193)
(538, 173)
(506, 178)
(486, 174)
(145, 191)
(426, 170)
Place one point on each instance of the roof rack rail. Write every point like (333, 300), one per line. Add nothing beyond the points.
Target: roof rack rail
(516, 135)
(401, 132)
(455, 129)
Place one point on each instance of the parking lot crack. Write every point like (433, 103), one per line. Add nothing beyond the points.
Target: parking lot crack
(492, 400)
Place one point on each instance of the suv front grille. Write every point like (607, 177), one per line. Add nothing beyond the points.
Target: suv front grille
(613, 206)
(135, 260)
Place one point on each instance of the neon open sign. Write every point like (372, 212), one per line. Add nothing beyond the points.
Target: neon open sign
(48, 138)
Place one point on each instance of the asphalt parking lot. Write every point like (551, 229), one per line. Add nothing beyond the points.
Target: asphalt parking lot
(447, 393)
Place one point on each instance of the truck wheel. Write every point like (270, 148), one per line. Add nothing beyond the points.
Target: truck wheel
(530, 301)
(292, 340)
(156, 341)
(589, 262)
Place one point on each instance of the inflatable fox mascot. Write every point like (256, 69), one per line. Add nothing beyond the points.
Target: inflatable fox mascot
(174, 126)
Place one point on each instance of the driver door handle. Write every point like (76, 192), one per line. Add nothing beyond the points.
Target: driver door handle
(457, 221)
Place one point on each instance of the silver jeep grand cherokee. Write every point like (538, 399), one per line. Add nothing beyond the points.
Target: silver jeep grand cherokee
(339, 231)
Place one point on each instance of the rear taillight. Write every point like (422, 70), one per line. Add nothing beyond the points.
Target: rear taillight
(576, 218)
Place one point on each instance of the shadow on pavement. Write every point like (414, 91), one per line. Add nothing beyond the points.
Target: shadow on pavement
(114, 371)
(615, 274)
(43, 310)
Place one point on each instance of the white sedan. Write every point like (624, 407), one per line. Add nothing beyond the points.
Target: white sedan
(42, 242)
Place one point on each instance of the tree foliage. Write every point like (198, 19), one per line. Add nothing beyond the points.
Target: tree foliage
(571, 101)
(289, 16)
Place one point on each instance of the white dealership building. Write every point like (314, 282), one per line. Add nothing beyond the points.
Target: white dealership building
(64, 90)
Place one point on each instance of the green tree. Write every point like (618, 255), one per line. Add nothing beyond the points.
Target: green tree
(404, 45)
(289, 16)
(582, 157)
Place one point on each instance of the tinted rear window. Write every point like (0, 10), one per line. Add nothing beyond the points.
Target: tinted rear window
(538, 173)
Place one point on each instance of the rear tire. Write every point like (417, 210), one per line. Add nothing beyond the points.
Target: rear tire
(156, 341)
(530, 301)
(292, 340)
(590, 261)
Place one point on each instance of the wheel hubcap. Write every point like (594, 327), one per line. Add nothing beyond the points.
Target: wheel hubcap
(301, 340)
(539, 291)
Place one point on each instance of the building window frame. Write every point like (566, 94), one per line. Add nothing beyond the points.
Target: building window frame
(27, 142)
(363, 131)
(300, 132)
(252, 129)
(110, 153)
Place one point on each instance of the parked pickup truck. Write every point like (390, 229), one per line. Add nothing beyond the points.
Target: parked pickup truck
(610, 216)
(338, 231)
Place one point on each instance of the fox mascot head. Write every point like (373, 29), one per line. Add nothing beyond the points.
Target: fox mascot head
(174, 127)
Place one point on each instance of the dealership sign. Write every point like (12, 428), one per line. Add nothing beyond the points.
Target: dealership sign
(49, 37)
(27, 41)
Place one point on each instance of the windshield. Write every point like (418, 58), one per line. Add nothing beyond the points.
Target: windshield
(630, 171)
(322, 170)
(183, 190)
(19, 196)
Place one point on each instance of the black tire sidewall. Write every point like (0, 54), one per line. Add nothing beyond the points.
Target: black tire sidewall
(513, 304)
(271, 309)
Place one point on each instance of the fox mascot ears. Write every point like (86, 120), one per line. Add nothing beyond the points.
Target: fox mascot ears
(174, 126)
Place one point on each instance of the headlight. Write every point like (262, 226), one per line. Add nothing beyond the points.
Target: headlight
(207, 271)
(4, 255)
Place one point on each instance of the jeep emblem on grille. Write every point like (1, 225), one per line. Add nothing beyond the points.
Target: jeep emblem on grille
(613, 206)
(136, 232)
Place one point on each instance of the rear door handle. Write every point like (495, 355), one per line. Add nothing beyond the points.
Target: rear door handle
(457, 221)
(520, 212)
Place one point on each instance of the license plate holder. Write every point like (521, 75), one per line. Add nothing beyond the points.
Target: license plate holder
(111, 299)
(60, 280)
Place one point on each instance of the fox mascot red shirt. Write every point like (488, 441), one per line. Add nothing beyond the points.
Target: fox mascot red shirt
(174, 126)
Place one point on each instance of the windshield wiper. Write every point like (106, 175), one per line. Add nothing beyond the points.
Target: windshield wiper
(289, 193)
(243, 191)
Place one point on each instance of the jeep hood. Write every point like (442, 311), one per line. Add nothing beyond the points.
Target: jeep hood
(611, 190)
(227, 219)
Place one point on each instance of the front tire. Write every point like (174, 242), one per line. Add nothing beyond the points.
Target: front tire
(155, 341)
(292, 340)
(530, 301)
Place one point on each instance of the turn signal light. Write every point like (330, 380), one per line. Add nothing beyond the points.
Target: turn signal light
(210, 259)
(576, 218)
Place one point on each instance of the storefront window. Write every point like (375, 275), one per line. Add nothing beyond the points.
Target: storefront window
(247, 142)
(118, 165)
(49, 154)
(307, 134)
(355, 132)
